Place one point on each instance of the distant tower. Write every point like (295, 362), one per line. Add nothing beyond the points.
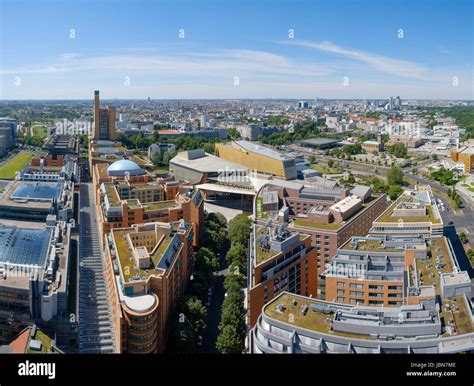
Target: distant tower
(104, 120)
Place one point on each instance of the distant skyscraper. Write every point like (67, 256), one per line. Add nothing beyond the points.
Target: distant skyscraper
(8, 128)
(104, 120)
(303, 104)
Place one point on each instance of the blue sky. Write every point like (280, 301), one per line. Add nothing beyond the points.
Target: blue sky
(236, 49)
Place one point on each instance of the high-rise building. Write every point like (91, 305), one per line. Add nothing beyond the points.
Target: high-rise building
(104, 120)
(8, 129)
(280, 261)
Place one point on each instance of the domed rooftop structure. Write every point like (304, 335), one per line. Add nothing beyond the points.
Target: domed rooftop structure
(123, 167)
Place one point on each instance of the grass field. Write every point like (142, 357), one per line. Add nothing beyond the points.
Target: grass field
(17, 163)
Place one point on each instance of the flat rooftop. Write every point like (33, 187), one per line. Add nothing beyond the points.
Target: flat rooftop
(320, 314)
(264, 251)
(389, 216)
(124, 253)
(31, 194)
(207, 163)
(262, 150)
(312, 320)
(305, 223)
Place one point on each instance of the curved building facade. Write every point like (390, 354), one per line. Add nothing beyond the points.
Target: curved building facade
(141, 315)
(295, 324)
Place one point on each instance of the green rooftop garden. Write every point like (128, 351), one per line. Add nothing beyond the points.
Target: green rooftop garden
(387, 216)
(161, 205)
(125, 257)
(46, 343)
(313, 320)
(311, 224)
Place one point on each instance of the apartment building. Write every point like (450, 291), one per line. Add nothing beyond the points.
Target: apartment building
(280, 261)
(388, 270)
(148, 267)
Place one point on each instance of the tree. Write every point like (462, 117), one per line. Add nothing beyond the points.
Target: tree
(216, 218)
(230, 340)
(463, 238)
(395, 176)
(166, 157)
(187, 324)
(234, 133)
(156, 158)
(398, 150)
(237, 255)
(239, 229)
(311, 159)
(330, 163)
(206, 263)
(233, 282)
(394, 191)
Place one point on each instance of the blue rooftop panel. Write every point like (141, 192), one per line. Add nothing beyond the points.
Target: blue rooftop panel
(21, 246)
(36, 192)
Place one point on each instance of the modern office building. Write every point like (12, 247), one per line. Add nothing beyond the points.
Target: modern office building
(34, 272)
(148, 267)
(160, 148)
(60, 145)
(388, 270)
(414, 212)
(330, 215)
(257, 157)
(297, 324)
(34, 201)
(104, 120)
(464, 155)
(280, 261)
(8, 134)
(392, 291)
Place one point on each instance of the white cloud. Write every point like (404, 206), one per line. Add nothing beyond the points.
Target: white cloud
(401, 68)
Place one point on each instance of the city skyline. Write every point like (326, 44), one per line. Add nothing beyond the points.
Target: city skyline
(236, 50)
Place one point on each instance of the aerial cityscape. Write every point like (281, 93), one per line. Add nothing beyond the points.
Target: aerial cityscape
(236, 178)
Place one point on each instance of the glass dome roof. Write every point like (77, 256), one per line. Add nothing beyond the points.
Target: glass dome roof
(120, 168)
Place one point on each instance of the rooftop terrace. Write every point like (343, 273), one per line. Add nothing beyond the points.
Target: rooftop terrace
(127, 261)
(311, 320)
(305, 223)
(149, 206)
(389, 216)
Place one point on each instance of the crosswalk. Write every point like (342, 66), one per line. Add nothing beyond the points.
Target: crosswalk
(96, 331)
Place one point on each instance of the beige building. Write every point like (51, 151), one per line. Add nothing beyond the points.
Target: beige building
(104, 120)
(257, 157)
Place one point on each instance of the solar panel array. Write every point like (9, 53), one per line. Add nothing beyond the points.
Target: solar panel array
(24, 246)
(38, 192)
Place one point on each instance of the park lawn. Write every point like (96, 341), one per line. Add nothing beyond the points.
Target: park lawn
(17, 163)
